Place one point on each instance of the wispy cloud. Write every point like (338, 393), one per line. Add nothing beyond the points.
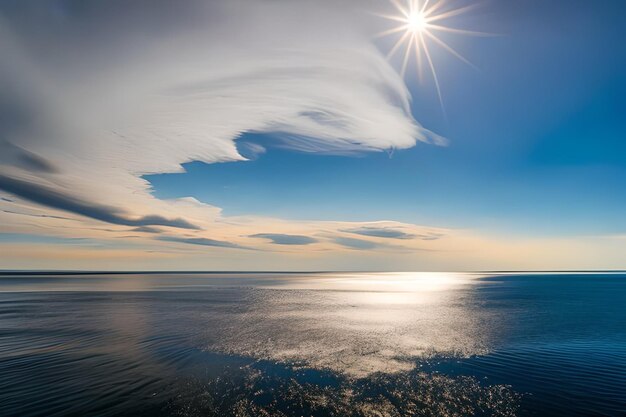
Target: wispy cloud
(146, 229)
(15, 155)
(352, 243)
(430, 236)
(81, 126)
(58, 200)
(283, 239)
(384, 232)
(393, 233)
(231, 67)
(250, 150)
(201, 241)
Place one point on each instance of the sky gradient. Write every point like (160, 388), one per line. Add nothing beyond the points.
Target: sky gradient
(275, 135)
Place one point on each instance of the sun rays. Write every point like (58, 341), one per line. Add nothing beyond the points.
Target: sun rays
(419, 22)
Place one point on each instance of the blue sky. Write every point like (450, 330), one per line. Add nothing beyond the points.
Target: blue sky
(537, 139)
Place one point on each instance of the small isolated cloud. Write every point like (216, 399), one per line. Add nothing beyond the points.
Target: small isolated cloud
(353, 243)
(282, 239)
(385, 232)
(201, 241)
(61, 201)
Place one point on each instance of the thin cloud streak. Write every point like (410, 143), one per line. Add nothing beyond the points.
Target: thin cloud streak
(383, 232)
(359, 244)
(201, 241)
(58, 200)
(284, 239)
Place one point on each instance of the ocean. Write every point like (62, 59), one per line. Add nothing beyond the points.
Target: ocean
(312, 344)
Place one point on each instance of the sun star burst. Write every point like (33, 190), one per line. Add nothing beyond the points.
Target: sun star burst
(419, 23)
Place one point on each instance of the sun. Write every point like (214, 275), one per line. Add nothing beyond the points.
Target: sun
(416, 22)
(419, 24)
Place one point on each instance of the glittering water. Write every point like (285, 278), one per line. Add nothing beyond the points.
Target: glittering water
(313, 344)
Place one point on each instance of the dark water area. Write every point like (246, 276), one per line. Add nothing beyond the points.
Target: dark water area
(328, 344)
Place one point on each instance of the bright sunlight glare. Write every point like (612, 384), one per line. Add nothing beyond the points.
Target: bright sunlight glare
(416, 22)
(419, 23)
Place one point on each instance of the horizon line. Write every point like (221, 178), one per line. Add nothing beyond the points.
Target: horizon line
(23, 272)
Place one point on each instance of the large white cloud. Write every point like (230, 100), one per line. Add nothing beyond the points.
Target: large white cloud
(96, 95)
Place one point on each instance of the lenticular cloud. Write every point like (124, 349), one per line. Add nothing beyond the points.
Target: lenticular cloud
(110, 103)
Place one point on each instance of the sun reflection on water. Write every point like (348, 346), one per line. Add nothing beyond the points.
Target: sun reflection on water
(360, 323)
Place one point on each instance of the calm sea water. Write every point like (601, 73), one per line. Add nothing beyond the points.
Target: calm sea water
(393, 344)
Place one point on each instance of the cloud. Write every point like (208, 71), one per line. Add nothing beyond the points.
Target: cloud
(16, 238)
(283, 239)
(430, 236)
(384, 232)
(51, 198)
(200, 241)
(250, 150)
(12, 154)
(392, 233)
(86, 111)
(146, 229)
(353, 243)
(45, 216)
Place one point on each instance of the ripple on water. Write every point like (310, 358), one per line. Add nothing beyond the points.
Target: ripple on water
(328, 344)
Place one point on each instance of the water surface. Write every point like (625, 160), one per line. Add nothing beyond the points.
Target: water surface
(313, 344)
